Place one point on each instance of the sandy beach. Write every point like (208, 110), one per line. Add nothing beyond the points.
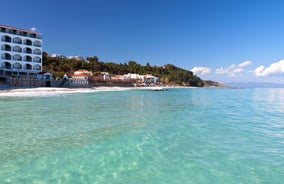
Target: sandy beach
(47, 91)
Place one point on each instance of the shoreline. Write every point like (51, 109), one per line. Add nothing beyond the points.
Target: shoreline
(47, 91)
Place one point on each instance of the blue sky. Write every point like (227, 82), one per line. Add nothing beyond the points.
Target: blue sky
(222, 40)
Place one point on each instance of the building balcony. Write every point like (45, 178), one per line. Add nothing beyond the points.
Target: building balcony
(17, 42)
(17, 50)
(27, 67)
(6, 58)
(17, 67)
(7, 68)
(6, 40)
(28, 59)
(17, 57)
(6, 49)
(3, 30)
(28, 52)
(6, 65)
(37, 45)
(37, 60)
(28, 42)
(37, 68)
(37, 53)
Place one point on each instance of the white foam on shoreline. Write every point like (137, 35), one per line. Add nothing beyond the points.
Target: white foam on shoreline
(41, 92)
(47, 91)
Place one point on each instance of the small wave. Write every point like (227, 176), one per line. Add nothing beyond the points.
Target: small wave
(41, 92)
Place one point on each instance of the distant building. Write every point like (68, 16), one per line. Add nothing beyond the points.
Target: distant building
(150, 79)
(143, 79)
(79, 58)
(80, 78)
(21, 52)
(58, 56)
(118, 77)
(133, 76)
(82, 74)
(45, 75)
(105, 75)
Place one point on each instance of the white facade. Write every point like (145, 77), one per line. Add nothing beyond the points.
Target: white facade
(149, 79)
(133, 76)
(21, 52)
(79, 58)
(58, 56)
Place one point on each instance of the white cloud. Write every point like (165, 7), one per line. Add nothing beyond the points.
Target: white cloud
(220, 71)
(227, 70)
(233, 69)
(33, 29)
(232, 66)
(245, 63)
(274, 69)
(238, 70)
(201, 70)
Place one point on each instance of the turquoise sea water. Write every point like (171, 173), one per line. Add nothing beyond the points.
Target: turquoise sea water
(174, 136)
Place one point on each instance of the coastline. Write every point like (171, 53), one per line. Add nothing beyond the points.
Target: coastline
(47, 91)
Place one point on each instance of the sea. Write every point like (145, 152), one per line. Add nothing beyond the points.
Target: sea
(179, 135)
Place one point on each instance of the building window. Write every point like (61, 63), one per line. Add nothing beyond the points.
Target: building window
(28, 50)
(37, 51)
(37, 43)
(17, 49)
(37, 67)
(28, 67)
(28, 42)
(6, 47)
(17, 66)
(37, 59)
(28, 58)
(6, 38)
(6, 65)
(3, 29)
(6, 56)
(17, 40)
(17, 57)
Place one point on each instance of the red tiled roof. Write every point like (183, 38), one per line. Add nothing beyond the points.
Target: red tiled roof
(19, 29)
(81, 75)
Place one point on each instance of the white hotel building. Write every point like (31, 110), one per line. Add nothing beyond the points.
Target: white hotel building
(21, 52)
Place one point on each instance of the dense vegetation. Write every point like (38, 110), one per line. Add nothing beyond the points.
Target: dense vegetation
(168, 74)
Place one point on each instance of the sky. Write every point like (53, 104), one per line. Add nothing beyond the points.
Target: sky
(221, 40)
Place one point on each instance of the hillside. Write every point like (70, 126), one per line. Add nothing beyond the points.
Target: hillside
(167, 74)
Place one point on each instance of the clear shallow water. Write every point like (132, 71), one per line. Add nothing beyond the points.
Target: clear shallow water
(175, 136)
